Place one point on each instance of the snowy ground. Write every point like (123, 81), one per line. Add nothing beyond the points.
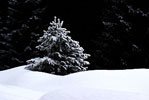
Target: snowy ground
(21, 84)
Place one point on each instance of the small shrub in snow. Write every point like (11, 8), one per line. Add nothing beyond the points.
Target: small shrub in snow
(62, 54)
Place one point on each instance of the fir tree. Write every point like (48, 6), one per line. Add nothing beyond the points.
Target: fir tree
(19, 21)
(62, 54)
(123, 42)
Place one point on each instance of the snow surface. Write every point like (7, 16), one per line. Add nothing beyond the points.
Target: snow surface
(21, 84)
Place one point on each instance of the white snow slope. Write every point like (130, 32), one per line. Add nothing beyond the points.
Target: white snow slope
(21, 84)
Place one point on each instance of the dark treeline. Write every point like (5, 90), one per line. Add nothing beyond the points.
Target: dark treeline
(114, 32)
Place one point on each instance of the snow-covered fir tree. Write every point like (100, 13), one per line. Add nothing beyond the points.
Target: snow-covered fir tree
(62, 54)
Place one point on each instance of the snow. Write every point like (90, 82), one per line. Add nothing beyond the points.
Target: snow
(9, 92)
(21, 84)
(82, 93)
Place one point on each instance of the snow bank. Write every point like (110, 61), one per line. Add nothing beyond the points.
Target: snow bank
(9, 92)
(81, 93)
(135, 80)
(97, 85)
(27, 79)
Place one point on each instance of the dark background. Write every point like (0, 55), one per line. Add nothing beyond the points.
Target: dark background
(114, 32)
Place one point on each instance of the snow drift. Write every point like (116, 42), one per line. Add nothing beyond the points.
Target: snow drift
(22, 84)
